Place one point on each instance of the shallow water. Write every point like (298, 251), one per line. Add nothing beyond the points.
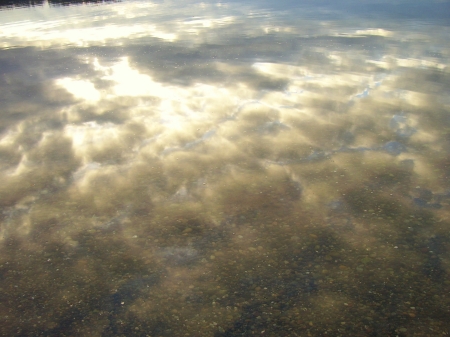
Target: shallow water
(225, 169)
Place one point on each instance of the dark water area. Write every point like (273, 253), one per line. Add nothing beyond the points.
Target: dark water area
(240, 168)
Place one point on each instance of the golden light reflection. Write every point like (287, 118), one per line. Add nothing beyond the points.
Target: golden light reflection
(80, 89)
(131, 83)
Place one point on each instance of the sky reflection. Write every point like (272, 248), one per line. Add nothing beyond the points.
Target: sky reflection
(223, 169)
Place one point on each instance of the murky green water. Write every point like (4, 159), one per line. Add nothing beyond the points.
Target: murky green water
(225, 169)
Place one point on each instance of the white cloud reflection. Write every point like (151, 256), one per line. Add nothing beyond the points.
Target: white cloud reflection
(129, 82)
(81, 89)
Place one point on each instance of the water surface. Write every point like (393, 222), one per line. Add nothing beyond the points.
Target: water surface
(225, 169)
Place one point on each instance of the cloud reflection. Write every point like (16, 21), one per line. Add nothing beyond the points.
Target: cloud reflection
(232, 171)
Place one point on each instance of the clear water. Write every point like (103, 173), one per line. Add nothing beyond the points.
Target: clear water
(225, 169)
